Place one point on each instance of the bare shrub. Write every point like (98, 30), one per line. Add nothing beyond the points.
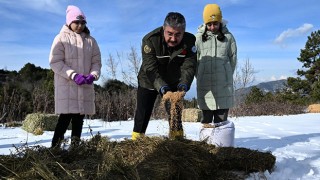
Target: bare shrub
(266, 108)
(42, 100)
(103, 105)
(13, 104)
(130, 66)
(243, 78)
(113, 106)
(112, 66)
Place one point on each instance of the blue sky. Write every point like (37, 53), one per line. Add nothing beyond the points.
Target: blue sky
(269, 33)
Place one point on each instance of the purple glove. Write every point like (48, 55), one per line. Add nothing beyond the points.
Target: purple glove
(79, 79)
(90, 78)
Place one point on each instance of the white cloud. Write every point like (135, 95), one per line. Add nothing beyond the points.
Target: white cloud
(273, 78)
(293, 33)
(283, 77)
(269, 78)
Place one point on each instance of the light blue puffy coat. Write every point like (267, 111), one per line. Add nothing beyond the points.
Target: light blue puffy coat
(216, 63)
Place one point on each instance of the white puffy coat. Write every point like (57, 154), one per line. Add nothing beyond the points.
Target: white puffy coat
(73, 53)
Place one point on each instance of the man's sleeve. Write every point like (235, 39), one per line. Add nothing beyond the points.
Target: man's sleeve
(150, 64)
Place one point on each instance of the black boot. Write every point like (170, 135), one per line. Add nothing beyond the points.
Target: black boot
(220, 115)
(56, 142)
(77, 124)
(207, 116)
(60, 130)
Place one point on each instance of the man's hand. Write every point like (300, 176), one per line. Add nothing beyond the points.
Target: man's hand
(164, 90)
(182, 87)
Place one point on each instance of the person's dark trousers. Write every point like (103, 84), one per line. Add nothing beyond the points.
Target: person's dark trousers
(218, 115)
(145, 102)
(62, 126)
(77, 124)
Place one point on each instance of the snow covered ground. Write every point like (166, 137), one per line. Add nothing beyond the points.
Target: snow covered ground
(294, 139)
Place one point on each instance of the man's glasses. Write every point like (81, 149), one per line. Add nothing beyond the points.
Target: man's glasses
(79, 22)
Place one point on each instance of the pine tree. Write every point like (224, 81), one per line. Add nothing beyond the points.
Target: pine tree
(310, 57)
(255, 96)
(309, 80)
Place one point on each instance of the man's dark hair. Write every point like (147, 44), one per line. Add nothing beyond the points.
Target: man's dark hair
(175, 19)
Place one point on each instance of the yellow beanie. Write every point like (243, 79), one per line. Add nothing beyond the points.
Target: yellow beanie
(212, 13)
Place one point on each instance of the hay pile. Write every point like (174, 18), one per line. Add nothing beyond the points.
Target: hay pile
(145, 158)
(191, 115)
(40, 122)
(314, 108)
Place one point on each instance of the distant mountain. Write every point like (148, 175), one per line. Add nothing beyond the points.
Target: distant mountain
(271, 86)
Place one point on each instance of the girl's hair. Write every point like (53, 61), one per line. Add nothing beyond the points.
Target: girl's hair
(86, 30)
(220, 37)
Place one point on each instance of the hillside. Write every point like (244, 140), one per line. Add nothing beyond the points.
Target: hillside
(271, 86)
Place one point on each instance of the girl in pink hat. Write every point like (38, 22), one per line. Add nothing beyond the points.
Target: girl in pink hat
(75, 59)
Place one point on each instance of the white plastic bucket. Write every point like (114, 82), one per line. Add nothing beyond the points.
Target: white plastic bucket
(222, 135)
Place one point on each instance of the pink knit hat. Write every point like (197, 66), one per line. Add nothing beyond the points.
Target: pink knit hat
(73, 14)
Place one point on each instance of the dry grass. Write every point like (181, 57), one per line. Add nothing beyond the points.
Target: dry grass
(146, 158)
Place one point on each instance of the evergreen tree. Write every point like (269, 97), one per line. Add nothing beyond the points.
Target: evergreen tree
(309, 81)
(310, 57)
(32, 73)
(116, 86)
(255, 96)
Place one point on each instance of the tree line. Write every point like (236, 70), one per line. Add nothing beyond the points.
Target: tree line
(31, 90)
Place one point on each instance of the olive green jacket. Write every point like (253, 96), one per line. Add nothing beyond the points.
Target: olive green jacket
(162, 65)
(216, 65)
